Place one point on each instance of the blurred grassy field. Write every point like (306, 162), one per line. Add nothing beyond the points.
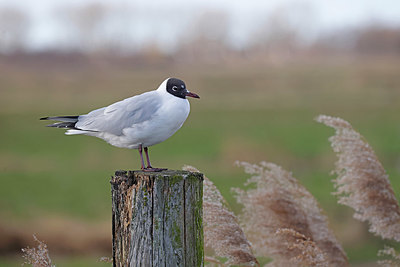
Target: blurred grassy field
(249, 112)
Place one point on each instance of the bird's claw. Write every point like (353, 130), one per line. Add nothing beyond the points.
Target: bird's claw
(151, 169)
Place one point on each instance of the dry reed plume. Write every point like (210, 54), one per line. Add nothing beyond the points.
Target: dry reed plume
(37, 257)
(222, 232)
(308, 253)
(362, 182)
(277, 202)
(394, 260)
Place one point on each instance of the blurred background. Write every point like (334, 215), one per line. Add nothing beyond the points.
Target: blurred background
(263, 69)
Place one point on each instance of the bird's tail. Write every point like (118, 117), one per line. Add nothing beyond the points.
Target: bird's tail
(66, 122)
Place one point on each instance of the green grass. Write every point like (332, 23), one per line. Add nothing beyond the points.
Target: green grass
(250, 114)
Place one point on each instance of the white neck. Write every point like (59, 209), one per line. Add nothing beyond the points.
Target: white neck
(163, 85)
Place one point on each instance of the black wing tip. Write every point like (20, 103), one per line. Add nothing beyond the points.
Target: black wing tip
(61, 118)
(63, 125)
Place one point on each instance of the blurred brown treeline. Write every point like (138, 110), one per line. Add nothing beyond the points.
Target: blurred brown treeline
(104, 32)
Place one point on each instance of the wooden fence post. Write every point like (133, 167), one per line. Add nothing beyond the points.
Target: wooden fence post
(157, 218)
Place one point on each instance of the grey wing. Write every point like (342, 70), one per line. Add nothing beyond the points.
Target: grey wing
(120, 115)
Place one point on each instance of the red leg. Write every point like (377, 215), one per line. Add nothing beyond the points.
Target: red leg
(147, 158)
(149, 168)
(141, 156)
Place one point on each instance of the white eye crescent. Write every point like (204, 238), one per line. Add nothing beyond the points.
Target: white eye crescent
(174, 88)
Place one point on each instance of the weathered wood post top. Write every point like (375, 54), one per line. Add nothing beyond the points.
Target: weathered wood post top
(157, 218)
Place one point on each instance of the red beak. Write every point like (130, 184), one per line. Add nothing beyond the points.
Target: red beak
(192, 94)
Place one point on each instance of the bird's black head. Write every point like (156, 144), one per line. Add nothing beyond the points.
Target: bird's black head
(177, 88)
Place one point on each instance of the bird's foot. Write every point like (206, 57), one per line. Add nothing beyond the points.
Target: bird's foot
(151, 169)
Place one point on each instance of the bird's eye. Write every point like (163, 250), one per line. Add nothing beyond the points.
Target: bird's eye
(174, 88)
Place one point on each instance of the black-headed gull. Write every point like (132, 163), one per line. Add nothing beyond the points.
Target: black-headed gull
(136, 122)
